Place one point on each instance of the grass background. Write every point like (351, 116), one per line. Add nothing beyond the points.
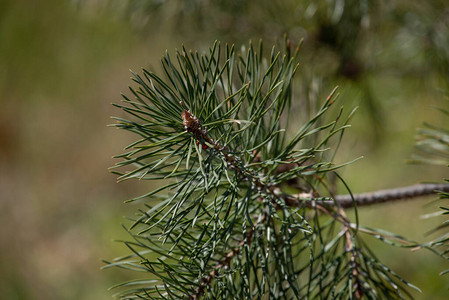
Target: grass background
(61, 65)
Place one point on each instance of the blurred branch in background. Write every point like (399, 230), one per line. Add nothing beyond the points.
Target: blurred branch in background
(352, 40)
(432, 143)
(432, 146)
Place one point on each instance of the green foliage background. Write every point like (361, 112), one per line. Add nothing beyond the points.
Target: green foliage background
(63, 62)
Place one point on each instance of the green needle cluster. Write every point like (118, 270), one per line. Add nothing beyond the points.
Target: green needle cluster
(218, 131)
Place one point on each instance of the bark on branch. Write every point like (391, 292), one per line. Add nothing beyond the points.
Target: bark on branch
(380, 196)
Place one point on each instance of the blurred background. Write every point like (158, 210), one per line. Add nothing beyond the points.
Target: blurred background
(63, 62)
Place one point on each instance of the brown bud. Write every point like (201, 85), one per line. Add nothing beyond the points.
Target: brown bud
(191, 123)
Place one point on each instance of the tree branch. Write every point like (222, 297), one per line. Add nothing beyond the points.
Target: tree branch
(365, 199)
(225, 261)
(194, 126)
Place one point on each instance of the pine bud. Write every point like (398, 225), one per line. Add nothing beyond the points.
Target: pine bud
(191, 123)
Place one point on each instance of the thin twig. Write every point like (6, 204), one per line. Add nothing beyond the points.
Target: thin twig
(225, 261)
(351, 249)
(365, 199)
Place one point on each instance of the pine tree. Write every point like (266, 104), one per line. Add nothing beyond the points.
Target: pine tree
(247, 208)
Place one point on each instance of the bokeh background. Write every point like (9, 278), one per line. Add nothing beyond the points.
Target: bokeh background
(63, 62)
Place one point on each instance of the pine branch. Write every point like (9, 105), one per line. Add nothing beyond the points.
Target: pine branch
(365, 199)
(343, 201)
(391, 195)
(194, 126)
(215, 134)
